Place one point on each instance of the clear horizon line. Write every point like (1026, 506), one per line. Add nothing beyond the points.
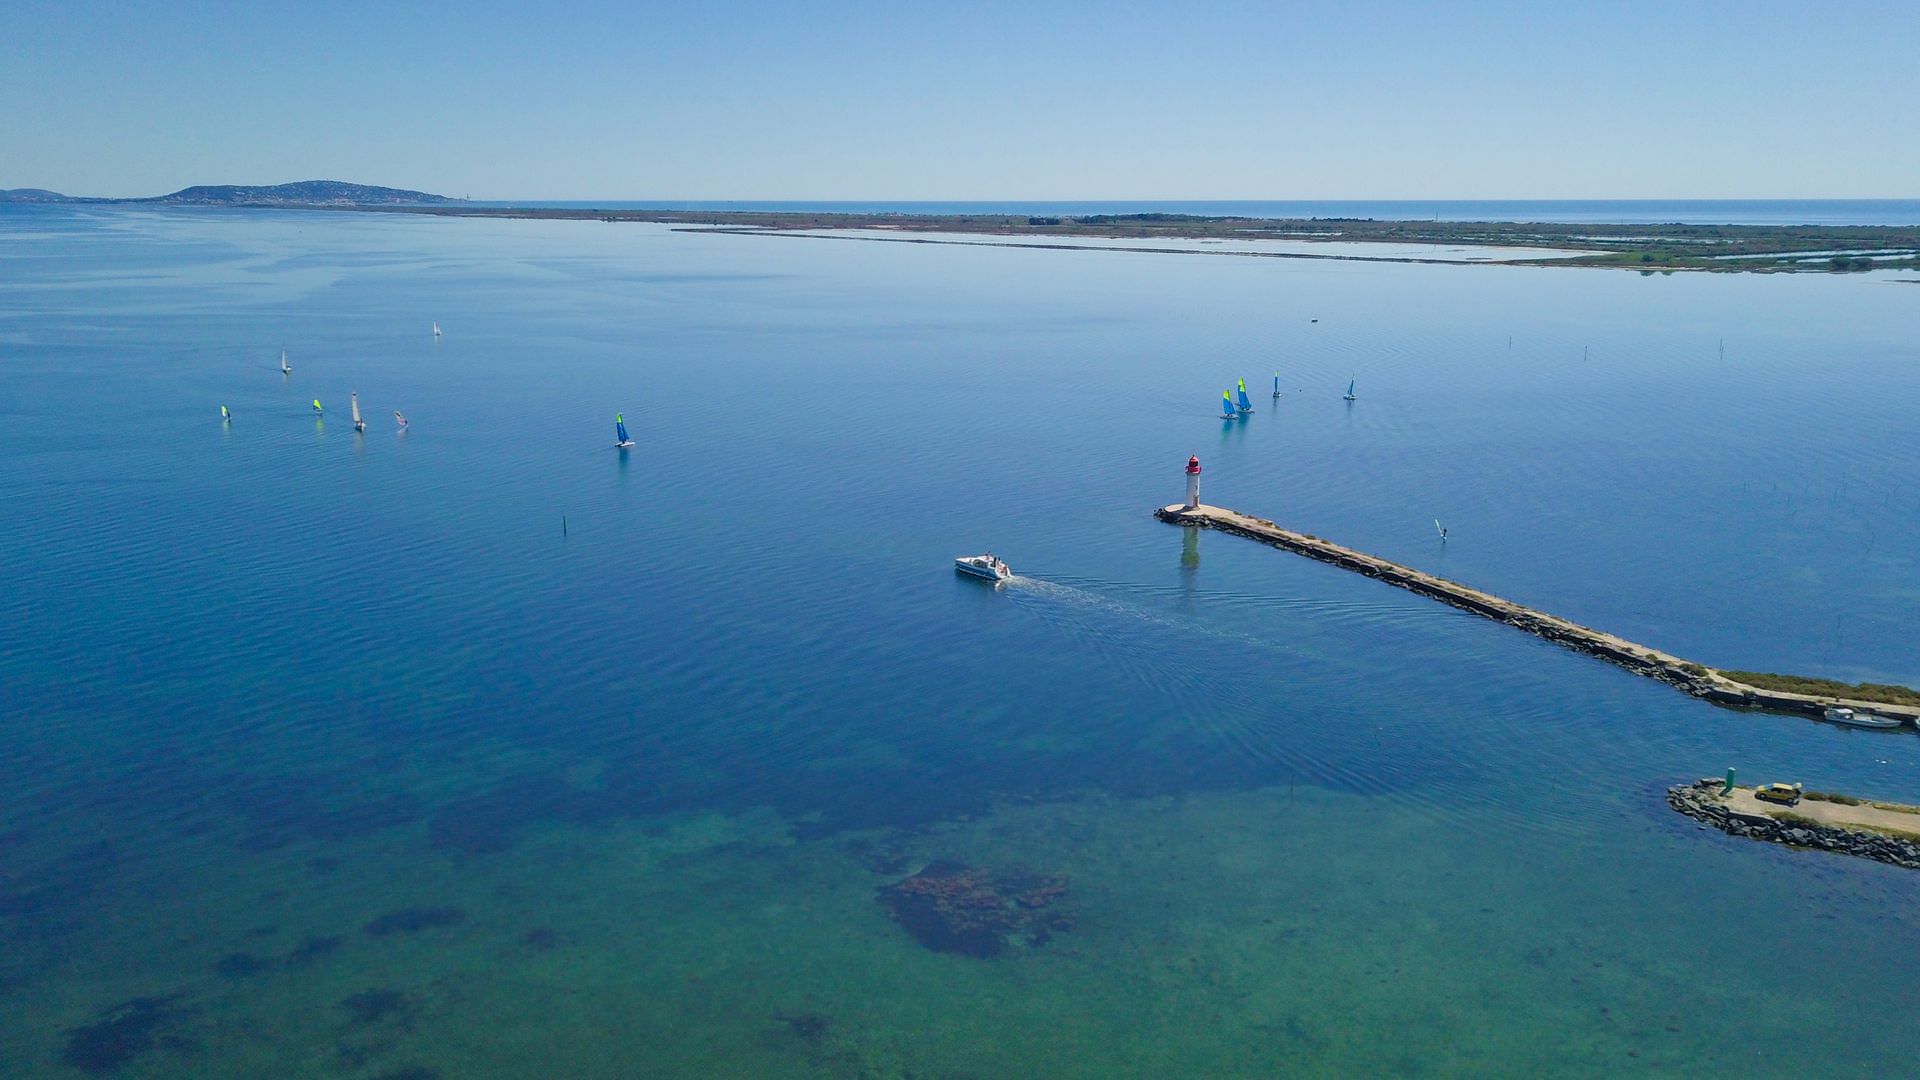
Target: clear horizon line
(1189, 198)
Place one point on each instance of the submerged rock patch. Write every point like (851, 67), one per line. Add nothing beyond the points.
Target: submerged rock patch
(412, 920)
(379, 1006)
(120, 1034)
(956, 908)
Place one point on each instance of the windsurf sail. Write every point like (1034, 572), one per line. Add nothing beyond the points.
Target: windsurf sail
(1245, 405)
(1350, 383)
(436, 329)
(620, 428)
(316, 406)
(285, 368)
(224, 414)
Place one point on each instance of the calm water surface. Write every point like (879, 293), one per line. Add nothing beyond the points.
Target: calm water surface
(484, 749)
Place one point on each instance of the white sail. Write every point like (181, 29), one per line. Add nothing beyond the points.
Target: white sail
(357, 422)
(436, 329)
(285, 368)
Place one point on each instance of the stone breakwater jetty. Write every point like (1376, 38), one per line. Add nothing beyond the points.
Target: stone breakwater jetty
(1849, 828)
(1696, 679)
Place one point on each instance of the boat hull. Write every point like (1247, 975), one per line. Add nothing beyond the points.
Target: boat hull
(994, 571)
(1862, 720)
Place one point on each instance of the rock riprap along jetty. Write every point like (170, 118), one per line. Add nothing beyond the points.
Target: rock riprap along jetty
(1696, 679)
(1884, 832)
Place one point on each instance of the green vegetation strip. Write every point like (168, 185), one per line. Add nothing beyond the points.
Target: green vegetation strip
(1647, 248)
(1799, 684)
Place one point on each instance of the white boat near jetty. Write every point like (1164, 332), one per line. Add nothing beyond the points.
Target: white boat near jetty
(988, 566)
(1854, 718)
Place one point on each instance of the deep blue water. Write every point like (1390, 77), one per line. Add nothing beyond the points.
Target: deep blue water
(1583, 211)
(673, 714)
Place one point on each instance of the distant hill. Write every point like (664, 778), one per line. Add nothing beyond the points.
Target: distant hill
(300, 193)
(32, 194)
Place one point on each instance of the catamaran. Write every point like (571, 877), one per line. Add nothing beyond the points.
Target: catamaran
(1245, 407)
(358, 424)
(1226, 405)
(620, 438)
(1349, 394)
(285, 368)
(400, 418)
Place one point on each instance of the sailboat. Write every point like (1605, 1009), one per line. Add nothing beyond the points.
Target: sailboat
(1245, 407)
(225, 416)
(400, 418)
(621, 439)
(1441, 529)
(436, 329)
(285, 368)
(358, 424)
(1226, 405)
(317, 410)
(1276, 384)
(1349, 394)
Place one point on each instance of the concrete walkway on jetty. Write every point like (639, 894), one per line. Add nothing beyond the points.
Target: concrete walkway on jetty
(1696, 679)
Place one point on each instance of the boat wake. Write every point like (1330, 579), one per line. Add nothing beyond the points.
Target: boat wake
(1266, 697)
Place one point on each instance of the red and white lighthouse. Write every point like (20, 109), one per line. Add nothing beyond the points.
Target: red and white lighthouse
(1193, 482)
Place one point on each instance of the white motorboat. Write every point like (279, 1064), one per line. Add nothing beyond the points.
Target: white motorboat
(987, 566)
(1855, 718)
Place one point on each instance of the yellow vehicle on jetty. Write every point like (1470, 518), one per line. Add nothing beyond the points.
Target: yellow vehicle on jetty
(1785, 794)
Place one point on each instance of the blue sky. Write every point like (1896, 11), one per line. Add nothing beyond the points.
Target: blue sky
(968, 101)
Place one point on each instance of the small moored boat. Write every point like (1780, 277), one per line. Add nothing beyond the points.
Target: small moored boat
(1855, 718)
(988, 566)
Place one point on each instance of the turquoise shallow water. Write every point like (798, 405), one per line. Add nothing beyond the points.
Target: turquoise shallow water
(334, 755)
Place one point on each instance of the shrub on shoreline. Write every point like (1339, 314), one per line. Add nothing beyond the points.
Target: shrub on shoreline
(1801, 684)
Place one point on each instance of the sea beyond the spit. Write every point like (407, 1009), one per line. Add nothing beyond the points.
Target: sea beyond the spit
(484, 749)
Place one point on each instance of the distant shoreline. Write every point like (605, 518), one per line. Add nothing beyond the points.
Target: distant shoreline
(1646, 248)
